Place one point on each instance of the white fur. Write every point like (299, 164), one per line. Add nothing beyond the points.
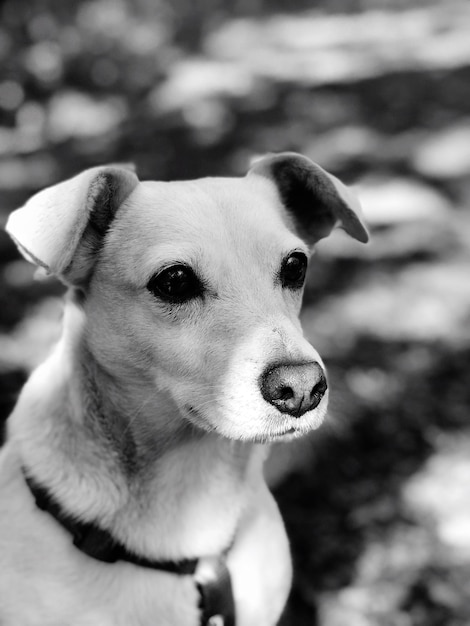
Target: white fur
(104, 422)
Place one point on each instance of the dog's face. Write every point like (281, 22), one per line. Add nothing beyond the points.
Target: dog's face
(203, 282)
(195, 287)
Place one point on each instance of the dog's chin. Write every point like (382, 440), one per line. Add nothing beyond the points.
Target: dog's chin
(297, 427)
(275, 427)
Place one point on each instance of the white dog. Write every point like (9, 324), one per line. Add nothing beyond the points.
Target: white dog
(131, 483)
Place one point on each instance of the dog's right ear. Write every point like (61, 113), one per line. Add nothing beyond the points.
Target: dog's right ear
(61, 227)
(315, 200)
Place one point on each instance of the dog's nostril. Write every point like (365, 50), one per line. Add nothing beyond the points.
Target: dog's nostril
(317, 393)
(285, 393)
(319, 389)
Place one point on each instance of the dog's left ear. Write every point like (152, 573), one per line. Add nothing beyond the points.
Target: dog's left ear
(316, 200)
(62, 227)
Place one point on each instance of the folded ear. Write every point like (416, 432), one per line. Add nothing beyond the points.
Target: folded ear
(316, 200)
(61, 227)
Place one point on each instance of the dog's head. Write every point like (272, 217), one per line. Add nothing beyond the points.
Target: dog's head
(194, 288)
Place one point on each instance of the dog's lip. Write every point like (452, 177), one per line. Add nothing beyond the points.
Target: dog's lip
(283, 433)
(286, 430)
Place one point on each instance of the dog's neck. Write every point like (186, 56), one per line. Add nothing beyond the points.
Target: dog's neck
(117, 454)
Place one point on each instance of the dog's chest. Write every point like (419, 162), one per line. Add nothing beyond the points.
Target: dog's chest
(195, 503)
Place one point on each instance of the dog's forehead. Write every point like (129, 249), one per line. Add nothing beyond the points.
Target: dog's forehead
(203, 216)
(209, 203)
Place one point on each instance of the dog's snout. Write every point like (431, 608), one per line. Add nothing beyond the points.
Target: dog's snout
(294, 389)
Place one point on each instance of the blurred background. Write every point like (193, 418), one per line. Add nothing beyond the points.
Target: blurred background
(376, 504)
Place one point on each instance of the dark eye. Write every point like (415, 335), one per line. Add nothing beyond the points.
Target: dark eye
(293, 270)
(177, 284)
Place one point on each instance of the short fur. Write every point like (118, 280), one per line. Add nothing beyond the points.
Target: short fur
(147, 418)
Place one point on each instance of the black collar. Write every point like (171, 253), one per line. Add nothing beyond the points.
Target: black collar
(97, 542)
(216, 596)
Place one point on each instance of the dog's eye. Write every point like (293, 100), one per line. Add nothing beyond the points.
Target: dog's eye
(177, 284)
(293, 270)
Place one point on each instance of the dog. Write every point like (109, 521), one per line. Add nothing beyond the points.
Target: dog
(131, 482)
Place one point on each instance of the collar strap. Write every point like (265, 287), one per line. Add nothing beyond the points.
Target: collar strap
(97, 542)
(211, 575)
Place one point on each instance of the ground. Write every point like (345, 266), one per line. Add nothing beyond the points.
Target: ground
(375, 505)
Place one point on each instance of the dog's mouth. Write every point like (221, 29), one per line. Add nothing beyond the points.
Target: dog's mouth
(270, 425)
(197, 418)
(192, 413)
(282, 434)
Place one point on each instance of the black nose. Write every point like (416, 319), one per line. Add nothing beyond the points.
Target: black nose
(294, 389)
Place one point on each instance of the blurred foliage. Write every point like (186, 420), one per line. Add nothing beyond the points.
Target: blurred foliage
(378, 92)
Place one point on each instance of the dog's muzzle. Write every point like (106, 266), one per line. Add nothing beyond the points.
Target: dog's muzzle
(294, 388)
